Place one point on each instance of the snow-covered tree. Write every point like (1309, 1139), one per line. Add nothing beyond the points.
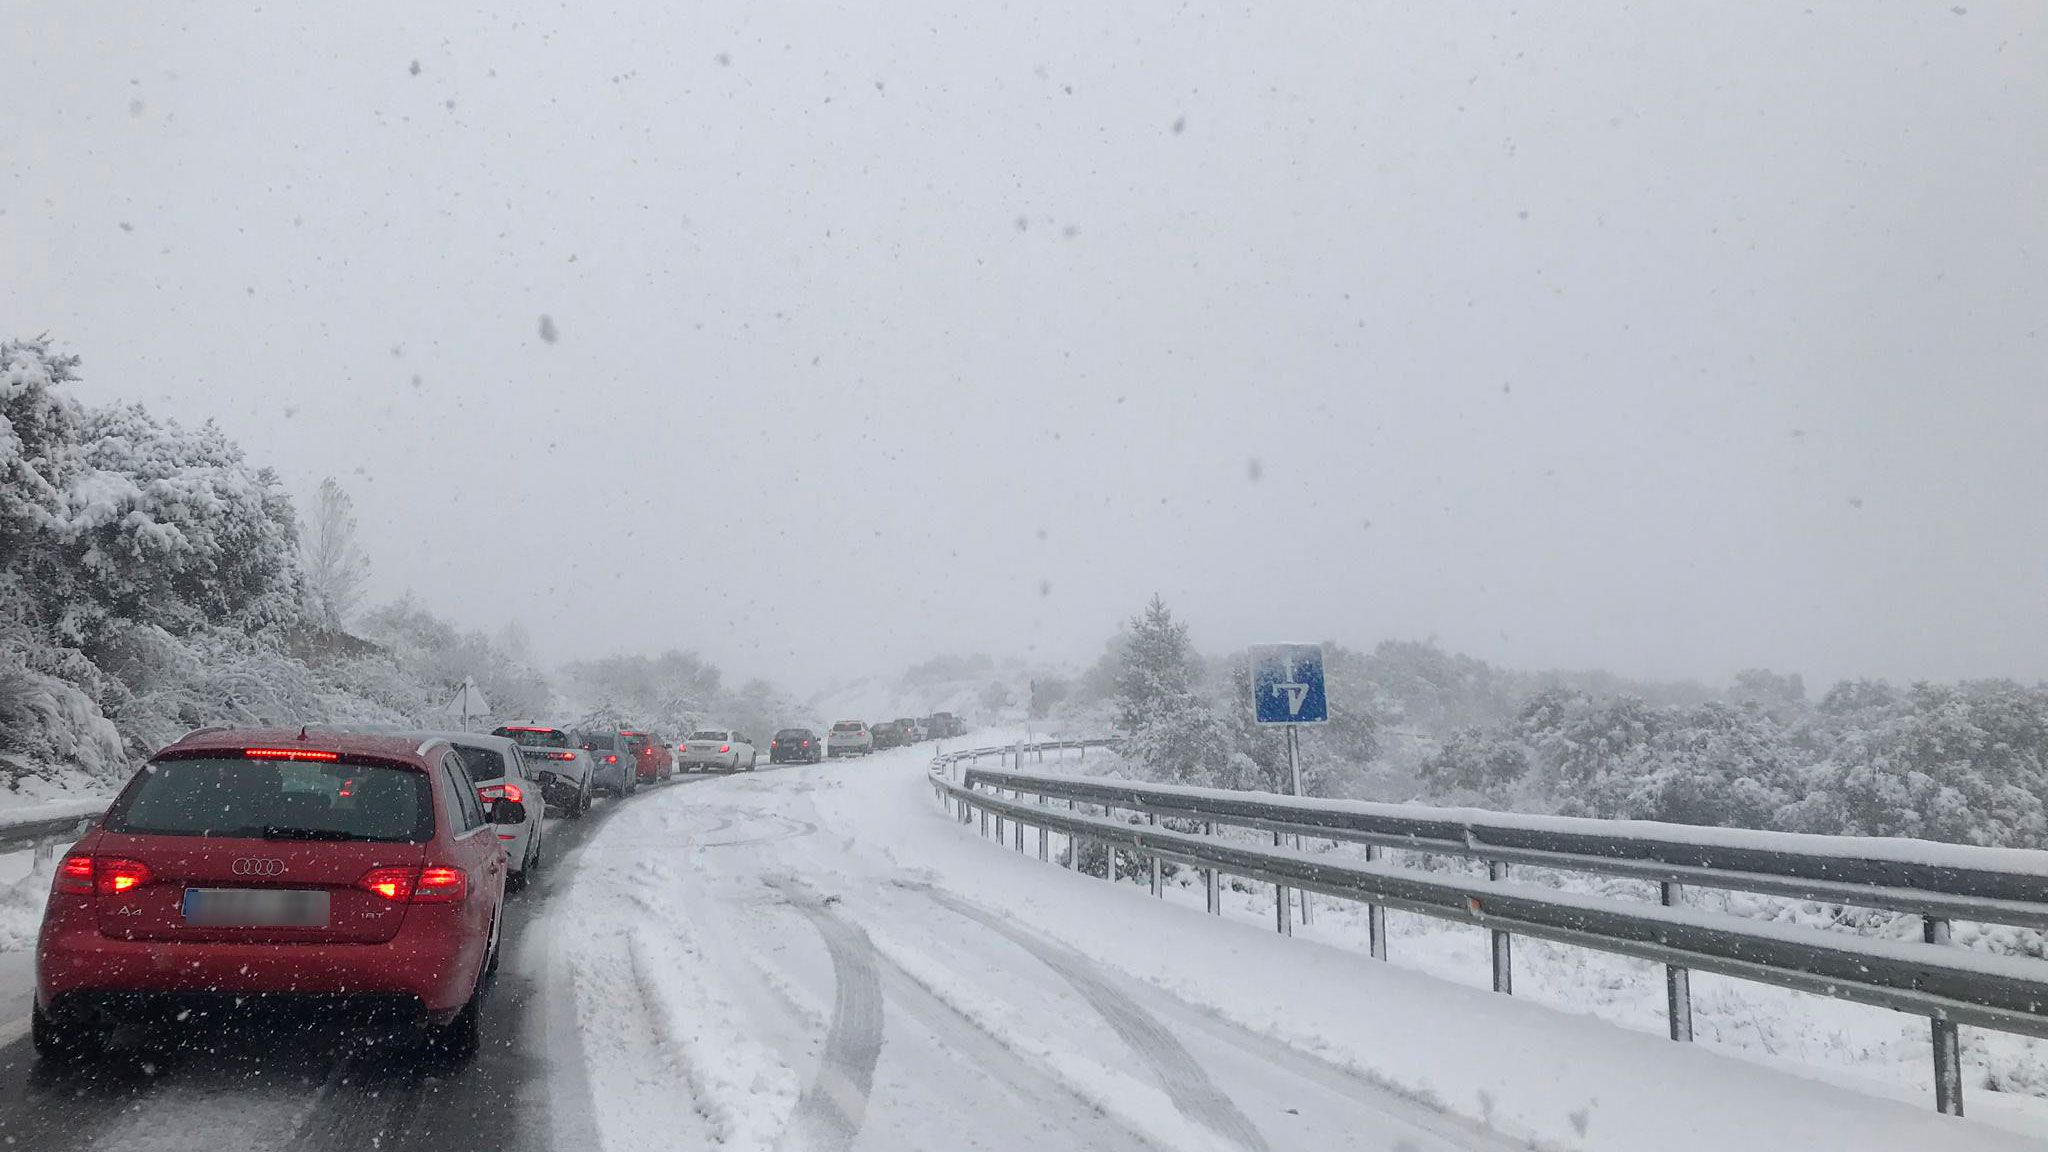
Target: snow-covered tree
(1482, 760)
(337, 569)
(1167, 726)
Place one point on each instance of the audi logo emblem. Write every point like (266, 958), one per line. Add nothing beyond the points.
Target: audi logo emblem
(258, 866)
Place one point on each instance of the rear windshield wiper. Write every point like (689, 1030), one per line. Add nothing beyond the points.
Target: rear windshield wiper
(279, 832)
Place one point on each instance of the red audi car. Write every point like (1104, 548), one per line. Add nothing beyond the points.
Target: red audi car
(311, 868)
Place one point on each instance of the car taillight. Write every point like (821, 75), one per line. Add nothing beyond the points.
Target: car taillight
(510, 792)
(75, 874)
(440, 884)
(611, 759)
(110, 875)
(725, 747)
(434, 884)
(393, 884)
(807, 743)
(775, 743)
(291, 754)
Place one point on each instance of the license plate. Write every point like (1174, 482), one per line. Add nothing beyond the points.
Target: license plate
(255, 908)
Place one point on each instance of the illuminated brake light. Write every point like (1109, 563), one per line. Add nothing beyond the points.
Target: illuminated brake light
(114, 876)
(510, 792)
(291, 754)
(393, 884)
(807, 743)
(440, 884)
(775, 743)
(725, 747)
(434, 884)
(611, 759)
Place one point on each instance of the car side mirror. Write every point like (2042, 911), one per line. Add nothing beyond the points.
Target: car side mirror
(508, 812)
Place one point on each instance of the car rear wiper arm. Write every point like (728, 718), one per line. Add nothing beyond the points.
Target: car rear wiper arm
(279, 832)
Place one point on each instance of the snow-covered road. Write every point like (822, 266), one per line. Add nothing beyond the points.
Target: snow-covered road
(821, 960)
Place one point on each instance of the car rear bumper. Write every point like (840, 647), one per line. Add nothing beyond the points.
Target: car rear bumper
(710, 763)
(396, 1012)
(435, 977)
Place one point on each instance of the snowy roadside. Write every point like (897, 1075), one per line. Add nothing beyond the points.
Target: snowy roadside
(1526, 1068)
(1875, 1050)
(683, 1048)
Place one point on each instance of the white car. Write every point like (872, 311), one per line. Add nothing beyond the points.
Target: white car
(717, 750)
(849, 738)
(497, 769)
(564, 771)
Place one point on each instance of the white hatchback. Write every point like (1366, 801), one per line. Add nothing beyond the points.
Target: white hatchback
(716, 750)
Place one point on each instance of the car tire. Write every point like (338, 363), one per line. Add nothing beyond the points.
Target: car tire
(458, 1040)
(497, 940)
(80, 1044)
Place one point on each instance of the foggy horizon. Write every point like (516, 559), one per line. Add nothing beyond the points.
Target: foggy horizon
(1577, 341)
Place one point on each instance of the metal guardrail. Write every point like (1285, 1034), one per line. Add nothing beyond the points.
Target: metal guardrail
(46, 833)
(1949, 986)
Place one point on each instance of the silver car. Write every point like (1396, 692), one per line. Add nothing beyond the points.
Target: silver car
(498, 771)
(563, 770)
(849, 738)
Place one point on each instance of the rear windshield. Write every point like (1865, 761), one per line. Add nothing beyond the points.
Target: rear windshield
(532, 738)
(599, 742)
(794, 734)
(709, 734)
(277, 800)
(848, 726)
(484, 765)
(636, 741)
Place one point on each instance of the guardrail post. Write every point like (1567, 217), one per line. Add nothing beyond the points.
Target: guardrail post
(1157, 889)
(1503, 955)
(1948, 1050)
(1044, 833)
(1212, 881)
(984, 823)
(46, 852)
(1677, 980)
(1019, 825)
(1375, 915)
(1283, 900)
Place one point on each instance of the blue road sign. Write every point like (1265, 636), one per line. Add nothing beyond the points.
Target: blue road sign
(1287, 684)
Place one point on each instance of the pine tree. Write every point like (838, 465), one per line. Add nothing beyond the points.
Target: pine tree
(1167, 728)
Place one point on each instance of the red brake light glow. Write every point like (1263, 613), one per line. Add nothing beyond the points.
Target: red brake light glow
(807, 743)
(725, 747)
(291, 754)
(611, 759)
(434, 884)
(510, 792)
(393, 884)
(440, 884)
(115, 875)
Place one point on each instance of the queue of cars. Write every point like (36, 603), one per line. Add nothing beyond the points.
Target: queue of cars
(859, 738)
(357, 872)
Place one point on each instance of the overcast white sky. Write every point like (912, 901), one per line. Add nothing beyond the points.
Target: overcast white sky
(1671, 337)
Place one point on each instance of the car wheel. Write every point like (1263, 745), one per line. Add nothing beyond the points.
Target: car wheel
(497, 938)
(459, 1039)
(78, 1044)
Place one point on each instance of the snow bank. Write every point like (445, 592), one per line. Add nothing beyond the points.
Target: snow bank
(1523, 1070)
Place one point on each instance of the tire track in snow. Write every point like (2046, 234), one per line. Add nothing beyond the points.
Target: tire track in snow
(795, 830)
(1186, 1084)
(829, 1113)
